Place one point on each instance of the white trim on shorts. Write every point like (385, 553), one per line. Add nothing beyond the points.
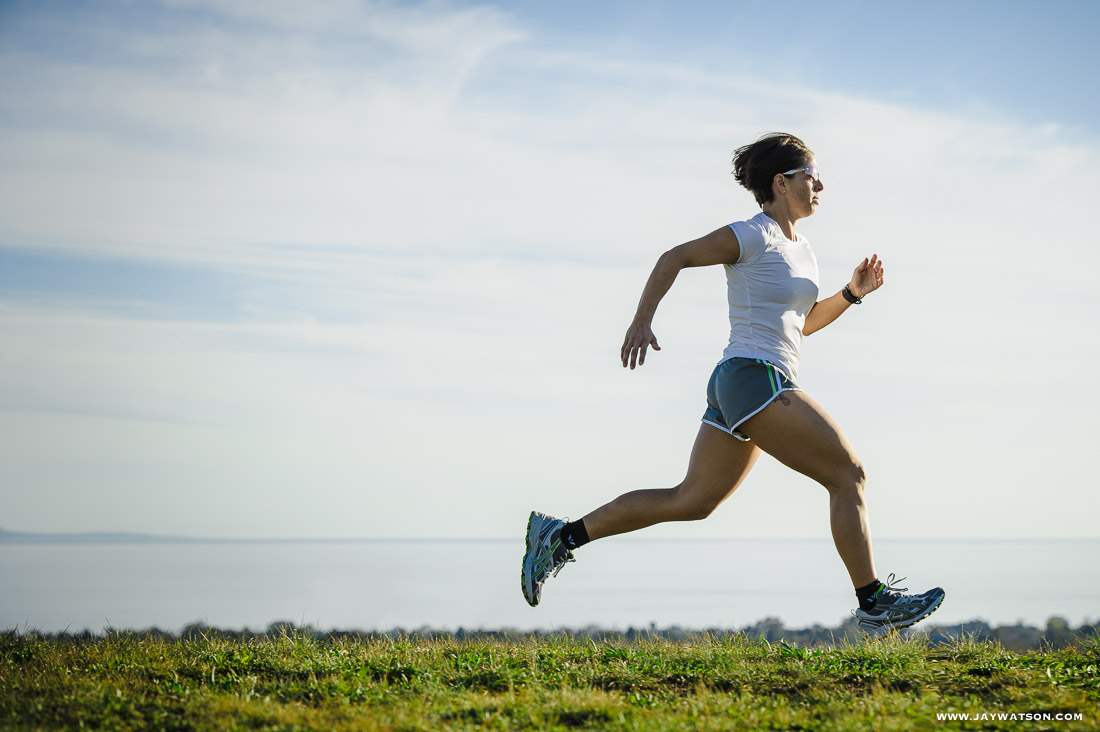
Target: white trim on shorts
(753, 413)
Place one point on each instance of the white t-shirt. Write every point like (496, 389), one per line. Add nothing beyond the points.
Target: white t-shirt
(770, 289)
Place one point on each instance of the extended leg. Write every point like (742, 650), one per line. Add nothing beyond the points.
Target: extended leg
(718, 464)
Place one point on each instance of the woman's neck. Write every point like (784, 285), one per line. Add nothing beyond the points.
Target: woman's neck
(780, 215)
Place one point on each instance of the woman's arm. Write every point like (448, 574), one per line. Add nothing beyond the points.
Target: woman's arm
(824, 312)
(867, 277)
(718, 247)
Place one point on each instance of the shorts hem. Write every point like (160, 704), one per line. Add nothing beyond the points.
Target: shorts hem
(759, 409)
(731, 432)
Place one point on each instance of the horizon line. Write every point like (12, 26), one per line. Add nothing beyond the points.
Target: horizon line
(9, 536)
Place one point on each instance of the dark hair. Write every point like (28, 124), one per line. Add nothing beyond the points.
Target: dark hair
(755, 164)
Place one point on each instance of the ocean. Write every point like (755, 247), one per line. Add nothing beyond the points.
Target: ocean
(448, 584)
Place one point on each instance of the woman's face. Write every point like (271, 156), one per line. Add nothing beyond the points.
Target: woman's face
(803, 190)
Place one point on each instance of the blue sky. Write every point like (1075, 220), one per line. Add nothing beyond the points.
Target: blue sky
(1029, 59)
(125, 285)
(255, 264)
(1026, 60)
(1032, 60)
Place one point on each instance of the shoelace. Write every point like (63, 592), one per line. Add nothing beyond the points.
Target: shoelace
(565, 560)
(550, 561)
(890, 587)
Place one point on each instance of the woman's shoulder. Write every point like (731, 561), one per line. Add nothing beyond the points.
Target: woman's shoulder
(755, 227)
(752, 237)
(759, 221)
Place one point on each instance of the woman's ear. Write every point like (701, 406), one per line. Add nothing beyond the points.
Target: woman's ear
(781, 180)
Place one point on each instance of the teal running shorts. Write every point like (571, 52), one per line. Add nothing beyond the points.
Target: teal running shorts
(738, 389)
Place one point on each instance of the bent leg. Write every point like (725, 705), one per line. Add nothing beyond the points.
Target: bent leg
(718, 464)
(798, 432)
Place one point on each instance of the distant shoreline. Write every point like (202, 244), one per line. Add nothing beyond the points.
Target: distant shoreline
(1020, 636)
(122, 537)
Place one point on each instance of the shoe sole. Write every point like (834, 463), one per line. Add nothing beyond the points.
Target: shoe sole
(886, 627)
(531, 544)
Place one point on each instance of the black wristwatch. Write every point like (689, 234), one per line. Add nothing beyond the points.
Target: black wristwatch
(850, 296)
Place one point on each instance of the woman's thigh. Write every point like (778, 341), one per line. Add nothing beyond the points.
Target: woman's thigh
(718, 464)
(798, 432)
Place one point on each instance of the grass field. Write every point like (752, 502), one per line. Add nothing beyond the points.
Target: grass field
(127, 681)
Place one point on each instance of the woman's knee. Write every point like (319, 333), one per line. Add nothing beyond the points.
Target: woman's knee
(690, 503)
(849, 478)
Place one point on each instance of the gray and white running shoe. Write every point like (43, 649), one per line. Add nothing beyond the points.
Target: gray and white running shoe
(545, 554)
(895, 609)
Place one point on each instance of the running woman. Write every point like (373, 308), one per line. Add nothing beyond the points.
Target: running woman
(754, 402)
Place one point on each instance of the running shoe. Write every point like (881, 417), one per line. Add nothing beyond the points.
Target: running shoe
(895, 609)
(545, 554)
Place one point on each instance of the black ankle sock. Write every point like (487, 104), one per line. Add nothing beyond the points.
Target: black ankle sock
(574, 535)
(866, 594)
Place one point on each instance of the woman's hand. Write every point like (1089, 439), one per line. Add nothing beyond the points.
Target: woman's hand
(867, 277)
(639, 337)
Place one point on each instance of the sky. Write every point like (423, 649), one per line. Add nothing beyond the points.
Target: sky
(365, 272)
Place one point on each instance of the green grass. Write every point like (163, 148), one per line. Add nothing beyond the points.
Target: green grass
(130, 681)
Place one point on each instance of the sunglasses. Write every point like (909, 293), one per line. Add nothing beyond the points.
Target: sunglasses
(811, 171)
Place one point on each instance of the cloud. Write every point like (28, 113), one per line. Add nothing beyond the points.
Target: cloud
(602, 160)
(434, 225)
